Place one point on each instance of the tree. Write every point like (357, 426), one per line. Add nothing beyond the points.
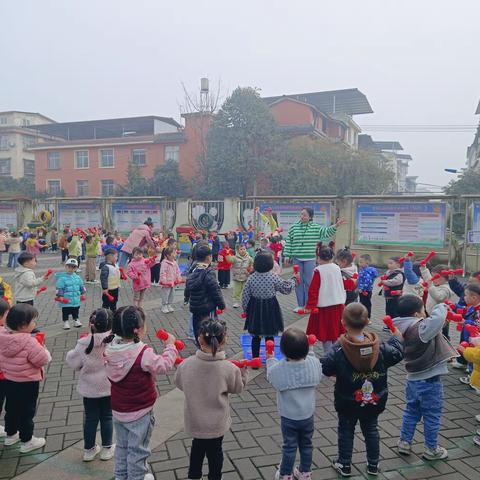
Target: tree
(241, 144)
(467, 183)
(167, 181)
(17, 187)
(137, 185)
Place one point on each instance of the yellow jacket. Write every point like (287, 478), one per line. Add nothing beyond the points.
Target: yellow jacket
(472, 355)
(7, 291)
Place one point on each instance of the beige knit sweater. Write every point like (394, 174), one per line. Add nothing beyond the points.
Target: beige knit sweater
(206, 382)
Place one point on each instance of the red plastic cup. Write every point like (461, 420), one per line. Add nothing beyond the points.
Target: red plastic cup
(162, 335)
(270, 346)
(178, 360)
(312, 339)
(179, 345)
(40, 337)
(296, 269)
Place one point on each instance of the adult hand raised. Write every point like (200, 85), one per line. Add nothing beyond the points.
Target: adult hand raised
(340, 222)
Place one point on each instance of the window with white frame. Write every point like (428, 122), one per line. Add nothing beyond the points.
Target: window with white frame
(108, 187)
(53, 160)
(106, 158)
(3, 120)
(53, 187)
(81, 159)
(5, 167)
(28, 168)
(82, 188)
(25, 122)
(139, 157)
(28, 141)
(172, 152)
(4, 142)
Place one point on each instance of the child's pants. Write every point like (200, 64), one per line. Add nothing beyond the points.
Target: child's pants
(296, 434)
(237, 290)
(20, 408)
(64, 254)
(110, 304)
(366, 301)
(67, 311)
(212, 448)
(12, 260)
(424, 398)
(97, 410)
(155, 273)
(132, 450)
(90, 269)
(306, 268)
(391, 306)
(224, 278)
(167, 295)
(256, 340)
(2, 394)
(346, 432)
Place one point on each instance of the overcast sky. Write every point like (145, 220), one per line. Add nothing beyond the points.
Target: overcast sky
(416, 61)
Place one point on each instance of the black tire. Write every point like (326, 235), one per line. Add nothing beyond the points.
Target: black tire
(205, 220)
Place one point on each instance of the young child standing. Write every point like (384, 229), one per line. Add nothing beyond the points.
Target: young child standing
(110, 280)
(206, 379)
(327, 294)
(131, 367)
(22, 359)
(242, 266)
(276, 247)
(70, 287)
(155, 268)
(259, 301)
(139, 272)
(392, 284)
(169, 277)
(91, 250)
(4, 307)
(25, 282)
(32, 245)
(366, 279)
(427, 352)
(413, 278)
(251, 247)
(13, 243)
(360, 361)
(344, 259)
(225, 263)
(94, 386)
(295, 378)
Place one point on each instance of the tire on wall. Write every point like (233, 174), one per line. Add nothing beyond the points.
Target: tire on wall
(205, 221)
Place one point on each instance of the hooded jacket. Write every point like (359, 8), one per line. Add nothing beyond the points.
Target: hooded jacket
(360, 368)
(69, 285)
(25, 284)
(139, 237)
(202, 291)
(139, 272)
(241, 267)
(169, 273)
(92, 380)
(74, 246)
(21, 356)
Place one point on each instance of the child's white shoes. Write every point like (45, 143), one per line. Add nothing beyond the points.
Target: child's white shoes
(91, 453)
(298, 475)
(33, 444)
(107, 453)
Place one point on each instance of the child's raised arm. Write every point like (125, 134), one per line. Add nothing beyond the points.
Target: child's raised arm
(410, 275)
(392, 352)
(284, 286)
(159, 364)
(433, 325)
(74, 357)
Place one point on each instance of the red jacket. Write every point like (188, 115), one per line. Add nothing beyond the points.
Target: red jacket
(223, 263)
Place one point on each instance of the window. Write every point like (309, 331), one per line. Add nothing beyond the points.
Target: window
(53, 187)
(82, 188)
(28, 168)
(28, 141)
(139, 157)
(4, 142)
(25, 122)
(172, 152)
(106, 158)
(81, 159)
(5, 167)
(3, 120)
(53, 159)
(107, 188)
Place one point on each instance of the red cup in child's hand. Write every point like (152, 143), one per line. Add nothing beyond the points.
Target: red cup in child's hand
(218, 311)
(243, 315)
(254, 363)
(296, 269)
(40, 338)
(312, 339)
(49, 272)
(179, 345)
(388, 321)
(83, 297)
(464, 344)
(41, 289)
(123, 275)
(65, 300)
(270, 347)
(109, 297)
(162, 335)
(178, 360)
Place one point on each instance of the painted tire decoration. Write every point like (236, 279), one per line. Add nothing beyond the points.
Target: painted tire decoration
(205, 220)
(45, 216)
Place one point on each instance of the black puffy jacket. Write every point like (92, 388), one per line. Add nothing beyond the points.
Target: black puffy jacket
(203, 292)
(359, 393)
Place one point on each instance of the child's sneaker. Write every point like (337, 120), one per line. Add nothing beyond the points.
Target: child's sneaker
(477, 418)
(3, 433)
(404, 447)
(343, 470)
(66, 325)
(149, 476)
(170, 309)
(458, 365)
(91, 453)
(107, 453)
(282, 477)
(438, 453)
(236, 305)
(476, 440)
(372, 469)
(77, 323)
(298, 475)
(165, 309)
(33, 444)
(12, 440)
(465, 380)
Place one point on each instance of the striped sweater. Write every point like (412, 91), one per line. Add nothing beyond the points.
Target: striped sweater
(302, 239)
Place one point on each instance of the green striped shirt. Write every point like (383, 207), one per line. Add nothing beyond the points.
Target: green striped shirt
(302, 239)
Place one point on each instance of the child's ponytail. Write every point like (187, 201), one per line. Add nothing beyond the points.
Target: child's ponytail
(213, 332)
(100, 322)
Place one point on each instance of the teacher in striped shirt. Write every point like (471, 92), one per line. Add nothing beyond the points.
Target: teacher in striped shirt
(301, 247)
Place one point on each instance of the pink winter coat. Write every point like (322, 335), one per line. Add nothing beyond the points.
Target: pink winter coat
(138, 238)
(169, 273)
(22, 358)
(139, 272)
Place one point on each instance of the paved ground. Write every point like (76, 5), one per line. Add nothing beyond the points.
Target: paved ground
(252, 448)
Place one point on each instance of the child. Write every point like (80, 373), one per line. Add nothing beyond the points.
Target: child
(215, 246)
(202, 290)
(32, 245)
(63, 244)
(91, 250)
(264, 244)
(4, 307)
(392, 283)
(53, 239)
(94, 386)
(139, 272)
(13, 249)
(70, 287)
(155, 269)
(225, 262)
(25, 282)
(344, 259)
(251, 248)
(22, 359)
(6, 291)
(295, 378)
(131, 367)
(231, 239)
(326, 292)
(458, 288)
(366, 279)
(360, 361)
(276, 247)
(169, 277)
(206, 379)
(413, 279)
(242, 266)
(259, 301)
(110, 280)
(427, 352)
(75, 247)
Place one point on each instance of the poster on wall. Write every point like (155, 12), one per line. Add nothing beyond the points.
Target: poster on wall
(474, 234)
(414, 224)
(8, 216)
(81, 215)
(127, 216)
